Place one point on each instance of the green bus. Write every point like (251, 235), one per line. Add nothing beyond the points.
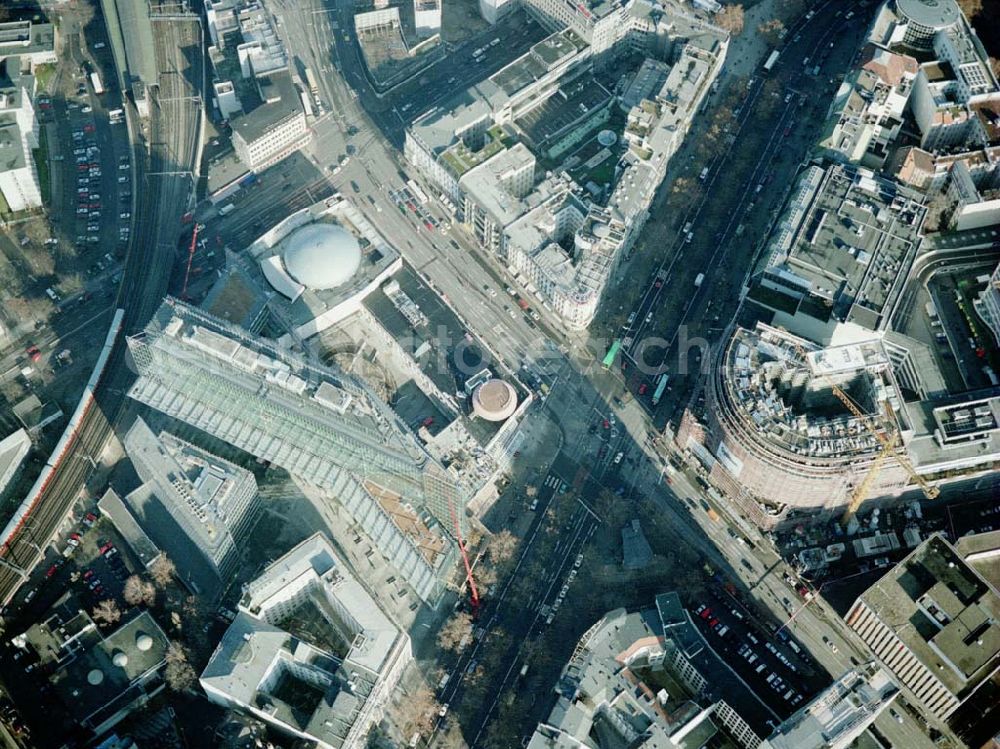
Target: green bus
(612, 353)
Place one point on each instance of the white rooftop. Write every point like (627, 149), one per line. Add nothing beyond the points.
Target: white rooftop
(315, 563)
(322, 256)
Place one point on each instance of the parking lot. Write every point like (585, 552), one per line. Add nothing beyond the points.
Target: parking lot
(100, 187)
(88, 559)
(773, 665)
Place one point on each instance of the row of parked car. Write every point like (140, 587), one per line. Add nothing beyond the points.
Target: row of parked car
(115, 564)
(748, 651)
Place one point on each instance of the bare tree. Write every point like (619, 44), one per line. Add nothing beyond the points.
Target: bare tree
(771, 30)
(450, 635)
(502, 546)
(138, 591)
(107, 612)
(178, 673)
(420, 710)
(485, 576)
(162, 571)
(971, 8)
(995, 65)
(730, 19)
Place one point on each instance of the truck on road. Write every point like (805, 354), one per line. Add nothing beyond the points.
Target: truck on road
(771, 60)
(698, 279)
(95, 81)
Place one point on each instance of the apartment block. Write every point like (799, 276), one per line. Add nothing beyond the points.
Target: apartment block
(330, 690)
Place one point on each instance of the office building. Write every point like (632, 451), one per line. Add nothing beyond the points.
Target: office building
(494, 194)
(934, 622)
(268, 133)
(602, 23)
(927, 171)
(465, 131)
(493, 10)
(23, 45)
(427, 17)
(976, 205)
(195, 506)
(844, 242)
(987, 304)
(331, 691)
(99, 678)
(34, 43)
(561, 241)
(325, 428)
(839, 714)
(869, 107)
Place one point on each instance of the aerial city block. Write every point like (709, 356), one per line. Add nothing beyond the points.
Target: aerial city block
(500, 374)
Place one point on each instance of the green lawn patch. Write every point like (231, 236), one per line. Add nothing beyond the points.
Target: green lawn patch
(43, 76)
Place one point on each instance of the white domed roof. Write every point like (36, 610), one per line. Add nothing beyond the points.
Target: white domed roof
(321, 256)
(494, 400)
(119, 659)
(95, 677)
(143, 641)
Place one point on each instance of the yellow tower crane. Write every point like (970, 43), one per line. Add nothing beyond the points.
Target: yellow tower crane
(887, 436)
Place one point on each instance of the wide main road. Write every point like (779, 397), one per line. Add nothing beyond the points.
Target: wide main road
(164, 166)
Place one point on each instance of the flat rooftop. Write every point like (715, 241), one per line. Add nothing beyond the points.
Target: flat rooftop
(315, 562)
(485, 183)
(854, 242)
(571, 104)
(281, 103)
(26, 38)
(539, 60)
(91, 680)
(944, 612)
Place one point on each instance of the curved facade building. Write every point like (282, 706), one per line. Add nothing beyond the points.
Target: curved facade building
(778, 437)
(925, 18)
(494, 400)
(322, 256)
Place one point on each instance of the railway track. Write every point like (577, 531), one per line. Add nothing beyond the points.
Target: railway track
(167, 173)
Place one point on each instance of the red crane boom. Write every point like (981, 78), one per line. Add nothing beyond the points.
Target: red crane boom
(187, 272)
(465, 559)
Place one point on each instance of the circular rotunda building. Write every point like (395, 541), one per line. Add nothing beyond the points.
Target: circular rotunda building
(494, 400)
(925, 18)
(321, 256)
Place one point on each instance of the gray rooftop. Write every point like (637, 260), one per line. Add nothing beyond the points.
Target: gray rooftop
(314, 565)
(960, 641)
(936, 14)
(281, 103)
(112, 507)
(851, 238)
(838, 714)
(26, 38)
(131, 34)
(139, 639)
(485, 184)
(14, 449)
